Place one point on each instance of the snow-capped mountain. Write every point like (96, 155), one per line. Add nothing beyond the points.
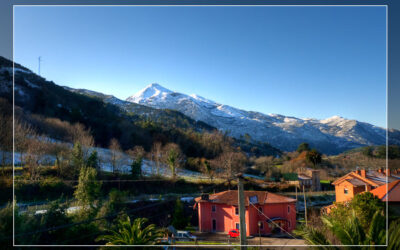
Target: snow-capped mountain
(332, 135)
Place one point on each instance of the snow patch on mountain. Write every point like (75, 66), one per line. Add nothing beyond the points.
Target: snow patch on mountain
(331, 135)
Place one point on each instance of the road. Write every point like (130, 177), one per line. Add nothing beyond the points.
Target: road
(255, 241)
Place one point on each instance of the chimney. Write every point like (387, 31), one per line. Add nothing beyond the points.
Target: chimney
(368, 188)
(357, 171)
(363, 173)
(205, 197)
(387, 172)
(380, 170)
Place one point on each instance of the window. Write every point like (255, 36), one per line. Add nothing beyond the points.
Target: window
(288, 209)
(346, 191)
(213, 208)
(260, 210)
(289, 224)
(262, 225)
(236, 210)
(253, 199)
(237, 226)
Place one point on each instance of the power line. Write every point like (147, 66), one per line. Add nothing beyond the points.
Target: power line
(272, 221)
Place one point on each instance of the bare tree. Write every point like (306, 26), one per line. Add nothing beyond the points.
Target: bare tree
(6, 143)
(79, 134)
(264, 163)
(207, 168)
(229, 163)
(156, 155)
(63, 164)
(136, 154)
(116, 155)
(23, 133)
(173, 157)
(35, 155)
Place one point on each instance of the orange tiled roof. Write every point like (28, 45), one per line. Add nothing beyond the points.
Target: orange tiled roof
(393, 189)
(354, 175)
(230, 197)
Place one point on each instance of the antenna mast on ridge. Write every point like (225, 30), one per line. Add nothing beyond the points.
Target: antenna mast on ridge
(39, 60)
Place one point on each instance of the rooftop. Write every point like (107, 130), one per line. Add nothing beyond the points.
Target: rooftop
(230, 197)
(389, 192)
(368, 177)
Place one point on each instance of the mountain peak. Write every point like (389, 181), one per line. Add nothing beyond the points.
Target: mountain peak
(157, 86)
(150, 91)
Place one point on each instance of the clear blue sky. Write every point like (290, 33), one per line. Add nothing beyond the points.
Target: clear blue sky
(311, 62)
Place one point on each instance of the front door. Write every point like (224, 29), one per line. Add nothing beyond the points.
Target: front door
(214, 225)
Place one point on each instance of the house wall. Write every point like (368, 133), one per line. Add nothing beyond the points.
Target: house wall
(226, 218)
(339, 190)
(357, 190)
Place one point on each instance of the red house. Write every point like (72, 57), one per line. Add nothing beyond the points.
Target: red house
(220, 213)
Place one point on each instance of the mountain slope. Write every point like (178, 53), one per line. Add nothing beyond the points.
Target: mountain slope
(331, 136)
(107, 116)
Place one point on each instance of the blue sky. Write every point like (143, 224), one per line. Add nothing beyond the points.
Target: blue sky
(311, 62)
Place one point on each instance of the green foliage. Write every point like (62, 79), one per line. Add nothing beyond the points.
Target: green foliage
(48, 188)
(290, 176)
(394, 235)
(347, 231)
(303, 147)
(78, 161)
(360, 222)
(393, 152)
(314, 236)
(314, 157)
(179, 220)
(55, 216)
(381, 152)
(88, 188)
(367, 151)
(134, 233)
(173, 161)
(93, 160)
(136, 167)
(365, 205)
(114, 204)
(6, 225)
(208, 170)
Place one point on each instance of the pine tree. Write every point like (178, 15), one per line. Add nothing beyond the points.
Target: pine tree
(179, 220)
(88, 188)
(93, 160)
(77, 156)
(136, 167)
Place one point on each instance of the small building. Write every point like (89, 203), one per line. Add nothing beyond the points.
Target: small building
(384, 184)
(309, 178)
(360, 181)
(220, 212)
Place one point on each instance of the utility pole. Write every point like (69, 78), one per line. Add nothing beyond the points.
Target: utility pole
(305, 205)
(242, 213)
(39, 60)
